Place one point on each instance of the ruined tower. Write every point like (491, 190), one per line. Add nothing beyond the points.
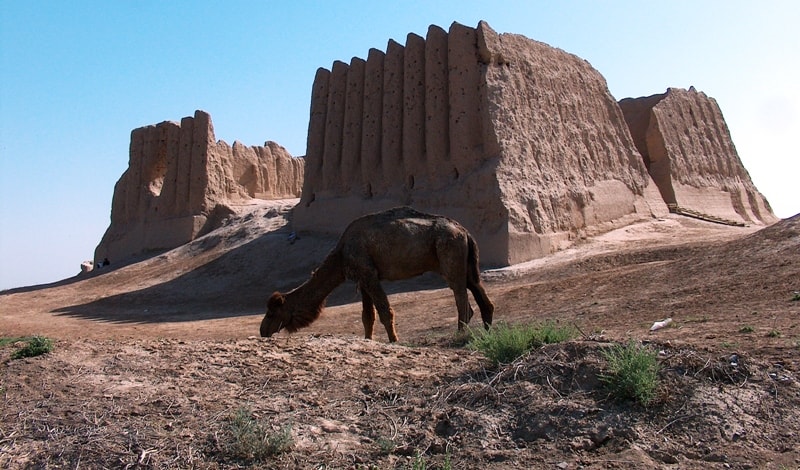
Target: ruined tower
(688, 150)
(181, 182)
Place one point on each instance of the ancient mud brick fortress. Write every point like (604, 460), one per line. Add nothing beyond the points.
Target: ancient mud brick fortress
(519, 141)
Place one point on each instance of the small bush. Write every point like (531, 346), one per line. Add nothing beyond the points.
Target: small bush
(633, 372)
(419, 462)
(796, 296)
(504, 343)
(250, 439)
(34, 346)
(746, 329)
(386, 445)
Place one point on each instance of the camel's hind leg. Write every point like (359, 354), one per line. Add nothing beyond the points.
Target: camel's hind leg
(371, 287)
(465, 311)
(367, 313)
(484, 304)
(456, 280)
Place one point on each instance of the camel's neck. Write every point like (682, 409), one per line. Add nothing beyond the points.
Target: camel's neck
(311, 295)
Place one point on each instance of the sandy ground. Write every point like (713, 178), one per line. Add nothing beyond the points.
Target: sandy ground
(153, 359)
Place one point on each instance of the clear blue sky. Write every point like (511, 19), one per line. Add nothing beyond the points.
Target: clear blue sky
(76, 77)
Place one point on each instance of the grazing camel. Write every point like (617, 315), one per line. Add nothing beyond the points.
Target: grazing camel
(399, 243)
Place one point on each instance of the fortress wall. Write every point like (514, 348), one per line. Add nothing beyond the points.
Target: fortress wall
(178, 175)
(519, 141)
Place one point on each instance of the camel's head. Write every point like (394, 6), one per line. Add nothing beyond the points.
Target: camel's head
(278, 316)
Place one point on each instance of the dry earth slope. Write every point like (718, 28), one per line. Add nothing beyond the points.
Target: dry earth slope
(152, 361)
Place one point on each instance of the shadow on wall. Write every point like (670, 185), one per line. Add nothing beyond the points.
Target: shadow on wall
(238, 283)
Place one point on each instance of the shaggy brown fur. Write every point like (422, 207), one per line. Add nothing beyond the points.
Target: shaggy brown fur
(396, 244)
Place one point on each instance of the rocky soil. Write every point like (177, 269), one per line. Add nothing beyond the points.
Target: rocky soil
(154, 362)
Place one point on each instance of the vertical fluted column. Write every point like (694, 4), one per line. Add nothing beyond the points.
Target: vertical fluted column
(437, 122)
(268, 170)
(332, 155)
(414, 154)
(372, 123)
(146, 165)
(488, 45)
(184, 167)
(202, 135)
(154, 169)
(134, 174)
(143, 184)
(353, 115)
(315, 144)
(284, 173)
(392, 132)
(464, 81)
(168, 192)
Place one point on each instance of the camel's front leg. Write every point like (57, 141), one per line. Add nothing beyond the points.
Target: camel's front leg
(465, 311)
(367, 313)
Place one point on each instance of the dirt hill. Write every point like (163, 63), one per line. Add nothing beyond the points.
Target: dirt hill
(154, 361)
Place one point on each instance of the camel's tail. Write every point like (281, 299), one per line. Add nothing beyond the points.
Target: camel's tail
(473, 270)
(474, 282)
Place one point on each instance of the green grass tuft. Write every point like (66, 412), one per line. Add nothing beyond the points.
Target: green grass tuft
(632, 372)
(34, 346)
(503, 344)
(11, 340)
